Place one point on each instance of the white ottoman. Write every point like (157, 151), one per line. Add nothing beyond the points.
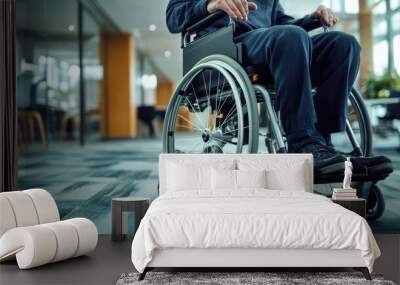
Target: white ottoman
(31, 232)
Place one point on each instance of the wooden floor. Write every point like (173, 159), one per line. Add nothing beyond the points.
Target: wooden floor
(103, 266)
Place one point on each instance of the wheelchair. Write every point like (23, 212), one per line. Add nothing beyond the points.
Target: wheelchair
(223, 106)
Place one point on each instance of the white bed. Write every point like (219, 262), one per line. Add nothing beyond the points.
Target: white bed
(248, 227)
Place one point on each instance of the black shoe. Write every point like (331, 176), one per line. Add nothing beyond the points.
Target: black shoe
(324, 160)
(364, 169)
(346, 154)
(369, 161)
(374, 167)
(364, 164)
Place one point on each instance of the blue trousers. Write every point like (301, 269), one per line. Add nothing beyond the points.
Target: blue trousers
(298, 62)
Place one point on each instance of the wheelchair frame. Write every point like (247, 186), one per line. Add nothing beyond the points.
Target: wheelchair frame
(219, 51)
(220, 48)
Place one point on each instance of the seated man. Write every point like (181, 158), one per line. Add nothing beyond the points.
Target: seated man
(295, 61)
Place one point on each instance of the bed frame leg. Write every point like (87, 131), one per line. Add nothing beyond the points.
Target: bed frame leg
(143, 274)
(365, 272)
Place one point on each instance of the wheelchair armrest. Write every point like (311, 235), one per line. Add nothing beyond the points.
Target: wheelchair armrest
(315, 24)
(205, 22)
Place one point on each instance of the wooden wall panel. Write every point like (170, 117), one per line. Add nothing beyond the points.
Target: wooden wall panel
(183, 122)
(366, 41)
(118, 115)
(164, 92)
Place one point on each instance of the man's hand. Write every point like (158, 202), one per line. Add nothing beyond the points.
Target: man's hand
(237, 9)
(326, 16)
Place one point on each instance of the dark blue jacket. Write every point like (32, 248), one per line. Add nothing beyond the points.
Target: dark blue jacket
(184, 13)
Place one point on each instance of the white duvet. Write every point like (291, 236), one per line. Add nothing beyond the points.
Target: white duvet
(250, 219)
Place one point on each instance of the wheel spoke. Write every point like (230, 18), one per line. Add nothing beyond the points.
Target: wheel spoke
(207, 93)
(197, 116)
(223, 104)
(230, 131)
(209, 85)
(228, 118)
(197, 100)
(227, 121)
(220, 92)
(196, 145)
(216, 112)
(195, 96)
(223, 141)
(216, 98)
(220, 148)
(186, 120)
(187, 127)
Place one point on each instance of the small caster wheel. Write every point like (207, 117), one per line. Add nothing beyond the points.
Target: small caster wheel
(375, 203)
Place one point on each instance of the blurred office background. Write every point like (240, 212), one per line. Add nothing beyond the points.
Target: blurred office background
(94, 79)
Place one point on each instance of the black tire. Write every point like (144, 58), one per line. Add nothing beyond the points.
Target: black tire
(375, 203)
(357, 102)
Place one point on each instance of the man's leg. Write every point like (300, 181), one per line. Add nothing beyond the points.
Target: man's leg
(336, 59)
(334, 68)
(286, 51)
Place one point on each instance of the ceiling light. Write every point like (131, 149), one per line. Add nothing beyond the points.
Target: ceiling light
(74, 71)
(149, 81)
(136, 33)
(167, 53)
(152, 28)
(71, 28)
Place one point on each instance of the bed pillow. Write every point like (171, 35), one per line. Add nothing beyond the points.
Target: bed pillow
(281, 174)
(223, 179)
(296, 181)
(193, 176)
(251, 179)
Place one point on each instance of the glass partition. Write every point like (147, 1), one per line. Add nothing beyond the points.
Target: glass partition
(93, 74)
(47, 74)
(49, 84)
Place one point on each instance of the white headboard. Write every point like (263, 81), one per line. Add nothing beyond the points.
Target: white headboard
(207, 159)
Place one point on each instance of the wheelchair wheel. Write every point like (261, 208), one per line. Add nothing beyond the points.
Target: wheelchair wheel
(209, 113)
(358, 128)
(375, 203)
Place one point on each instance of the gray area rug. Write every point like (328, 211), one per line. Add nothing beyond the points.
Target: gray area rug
(243, 278)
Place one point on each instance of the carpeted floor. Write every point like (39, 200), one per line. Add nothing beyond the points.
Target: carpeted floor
(83, 180)
(243, 278)
(389, 223)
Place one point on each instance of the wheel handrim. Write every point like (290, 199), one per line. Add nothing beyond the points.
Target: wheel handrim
(242, 78)
(211, 128)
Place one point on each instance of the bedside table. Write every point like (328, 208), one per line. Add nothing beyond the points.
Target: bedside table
(138, 205)
(357, 205)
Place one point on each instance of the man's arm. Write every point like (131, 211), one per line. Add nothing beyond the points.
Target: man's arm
(308, 23)
(184, 13)
(322, 16)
